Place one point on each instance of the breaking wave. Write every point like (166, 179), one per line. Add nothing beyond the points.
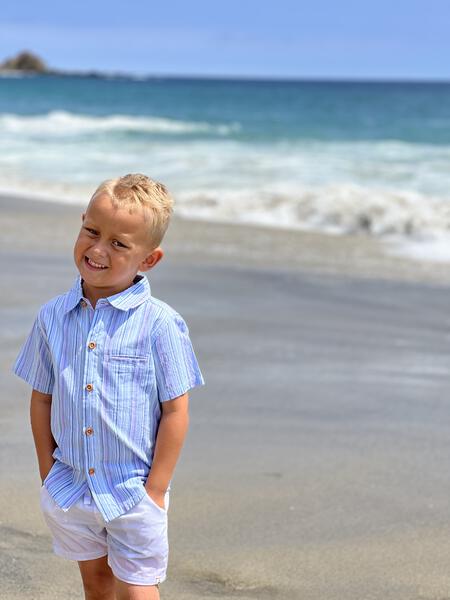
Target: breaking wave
(334, 209)
(61, 123)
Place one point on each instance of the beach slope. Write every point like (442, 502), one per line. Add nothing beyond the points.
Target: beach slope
(315, 461)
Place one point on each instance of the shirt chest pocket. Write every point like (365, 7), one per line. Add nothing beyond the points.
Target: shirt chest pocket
(126, 383)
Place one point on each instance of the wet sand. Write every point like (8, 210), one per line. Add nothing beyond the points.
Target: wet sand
(316, 461)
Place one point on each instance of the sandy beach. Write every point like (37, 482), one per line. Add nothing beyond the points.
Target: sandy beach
(315, 464)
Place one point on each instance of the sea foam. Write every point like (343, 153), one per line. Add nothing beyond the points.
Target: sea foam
(388, 189)
(60, 123)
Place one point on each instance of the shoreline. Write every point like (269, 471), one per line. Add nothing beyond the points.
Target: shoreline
(241, 245)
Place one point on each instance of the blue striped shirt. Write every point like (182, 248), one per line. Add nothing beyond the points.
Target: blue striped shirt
(107, 369)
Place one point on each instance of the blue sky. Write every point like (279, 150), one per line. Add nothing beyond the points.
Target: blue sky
(394, 39)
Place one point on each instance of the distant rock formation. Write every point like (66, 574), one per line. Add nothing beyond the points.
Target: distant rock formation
(24, 61)
(28, 62)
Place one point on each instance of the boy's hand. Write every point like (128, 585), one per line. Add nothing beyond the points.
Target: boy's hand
(157, 496)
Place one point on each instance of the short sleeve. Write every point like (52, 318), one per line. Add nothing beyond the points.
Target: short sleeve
(176, 366)
(34, 361)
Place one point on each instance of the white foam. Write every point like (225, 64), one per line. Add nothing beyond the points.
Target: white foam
(60, 123)
(336, 208)
(430, 248)
(401, 221)
(390, 190)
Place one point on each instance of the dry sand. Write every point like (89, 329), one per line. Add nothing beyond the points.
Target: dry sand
(316, 461)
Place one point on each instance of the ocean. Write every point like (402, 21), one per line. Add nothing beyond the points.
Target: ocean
(339, 157)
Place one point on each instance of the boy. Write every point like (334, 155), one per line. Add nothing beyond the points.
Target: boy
(110, 367)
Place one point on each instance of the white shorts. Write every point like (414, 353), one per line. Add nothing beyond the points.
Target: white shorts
(136, 542)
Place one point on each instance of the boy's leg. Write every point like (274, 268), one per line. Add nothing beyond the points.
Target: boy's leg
(98, 579)
(128, 591)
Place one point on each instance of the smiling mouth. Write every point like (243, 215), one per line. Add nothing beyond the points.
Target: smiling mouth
(93, 265)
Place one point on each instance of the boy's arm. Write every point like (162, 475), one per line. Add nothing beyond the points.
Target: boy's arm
(40, 408)
(172, 431)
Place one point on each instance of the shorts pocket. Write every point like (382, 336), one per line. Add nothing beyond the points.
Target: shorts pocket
(43, 496)
(47, 498)
(153, 503)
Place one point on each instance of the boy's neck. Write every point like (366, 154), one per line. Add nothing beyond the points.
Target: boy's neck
(97, 293)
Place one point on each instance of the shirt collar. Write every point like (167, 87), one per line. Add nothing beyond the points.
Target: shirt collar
(134, 295)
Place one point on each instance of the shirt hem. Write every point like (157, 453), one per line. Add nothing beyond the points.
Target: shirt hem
(34, 384)
(176, 393)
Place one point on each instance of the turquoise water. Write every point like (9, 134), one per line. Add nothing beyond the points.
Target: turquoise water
(332, 156)
(265, 111)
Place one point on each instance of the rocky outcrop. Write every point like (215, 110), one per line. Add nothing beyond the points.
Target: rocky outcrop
(24, 61)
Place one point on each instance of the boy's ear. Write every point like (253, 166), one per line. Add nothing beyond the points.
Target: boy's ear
(152, 259)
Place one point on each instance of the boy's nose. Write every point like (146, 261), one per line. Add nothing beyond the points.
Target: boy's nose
(98, 252)
(98, 255)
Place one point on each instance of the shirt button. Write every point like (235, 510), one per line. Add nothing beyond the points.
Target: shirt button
(89, 431)
(92, 345)
(83, 303)
(91, 471)
(89, 387)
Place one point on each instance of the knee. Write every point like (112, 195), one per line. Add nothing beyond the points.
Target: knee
(99, 586)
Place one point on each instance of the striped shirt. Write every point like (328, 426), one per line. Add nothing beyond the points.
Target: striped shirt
(107, 369)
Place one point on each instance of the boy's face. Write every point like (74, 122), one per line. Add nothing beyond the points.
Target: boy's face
(117, 240)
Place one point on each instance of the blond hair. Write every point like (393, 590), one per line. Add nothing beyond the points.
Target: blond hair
(136, 189)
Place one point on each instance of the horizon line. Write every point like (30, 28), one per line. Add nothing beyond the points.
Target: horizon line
(228, 77)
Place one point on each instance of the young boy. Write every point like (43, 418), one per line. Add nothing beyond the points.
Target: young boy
(110, 367)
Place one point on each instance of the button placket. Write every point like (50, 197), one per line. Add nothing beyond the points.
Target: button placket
(90, 395)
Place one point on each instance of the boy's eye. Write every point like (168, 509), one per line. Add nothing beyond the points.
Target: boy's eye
(114, 242)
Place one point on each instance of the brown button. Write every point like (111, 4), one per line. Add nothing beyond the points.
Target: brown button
(91, 471)
(83, 303)
(89, 387)
(89, 431)
(92, 345)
